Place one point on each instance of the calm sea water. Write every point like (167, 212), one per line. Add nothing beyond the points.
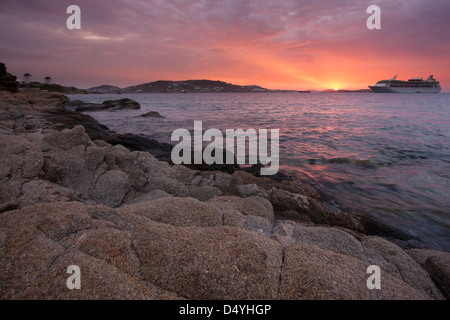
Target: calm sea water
(405, 139)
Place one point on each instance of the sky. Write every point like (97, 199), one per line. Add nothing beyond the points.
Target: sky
(299, 45)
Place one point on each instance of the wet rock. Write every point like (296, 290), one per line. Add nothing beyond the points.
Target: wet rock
(287, 184)
(124, 103)
(65, 119)
(110, 105)
(75, 103)
(305, 208)
(286, 202)
(373, 225)
(152, 114)
(133, 142)
(345, 219)
(228, 168)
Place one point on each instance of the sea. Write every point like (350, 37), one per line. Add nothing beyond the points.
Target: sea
(383, 155)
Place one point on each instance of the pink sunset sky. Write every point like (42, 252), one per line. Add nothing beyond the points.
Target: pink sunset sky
(275, 44)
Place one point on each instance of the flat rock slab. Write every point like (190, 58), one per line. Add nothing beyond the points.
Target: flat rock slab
(312, 273)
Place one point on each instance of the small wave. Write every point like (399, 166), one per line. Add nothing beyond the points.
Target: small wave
(359, 162)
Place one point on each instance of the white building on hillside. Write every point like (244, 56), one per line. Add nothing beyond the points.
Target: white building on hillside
(26, 77)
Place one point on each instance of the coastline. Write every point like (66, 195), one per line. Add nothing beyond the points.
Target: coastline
(73, 190)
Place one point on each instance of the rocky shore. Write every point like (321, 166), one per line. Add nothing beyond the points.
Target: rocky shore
(74, 193)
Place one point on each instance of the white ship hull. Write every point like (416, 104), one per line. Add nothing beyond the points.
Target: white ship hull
(387, 89)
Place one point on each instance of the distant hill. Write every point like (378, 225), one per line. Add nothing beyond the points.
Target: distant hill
(179, 87)
(104, 89)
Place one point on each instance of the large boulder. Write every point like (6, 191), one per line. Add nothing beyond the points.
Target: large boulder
(332, 239)
(312, 273)
(302, 207)
(258, 206)
(373, 250)
(120, 104)
(209, 263)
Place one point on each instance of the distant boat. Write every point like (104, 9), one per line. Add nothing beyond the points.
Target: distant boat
(415, 85)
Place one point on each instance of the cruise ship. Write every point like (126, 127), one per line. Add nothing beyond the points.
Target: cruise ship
(415, 85)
